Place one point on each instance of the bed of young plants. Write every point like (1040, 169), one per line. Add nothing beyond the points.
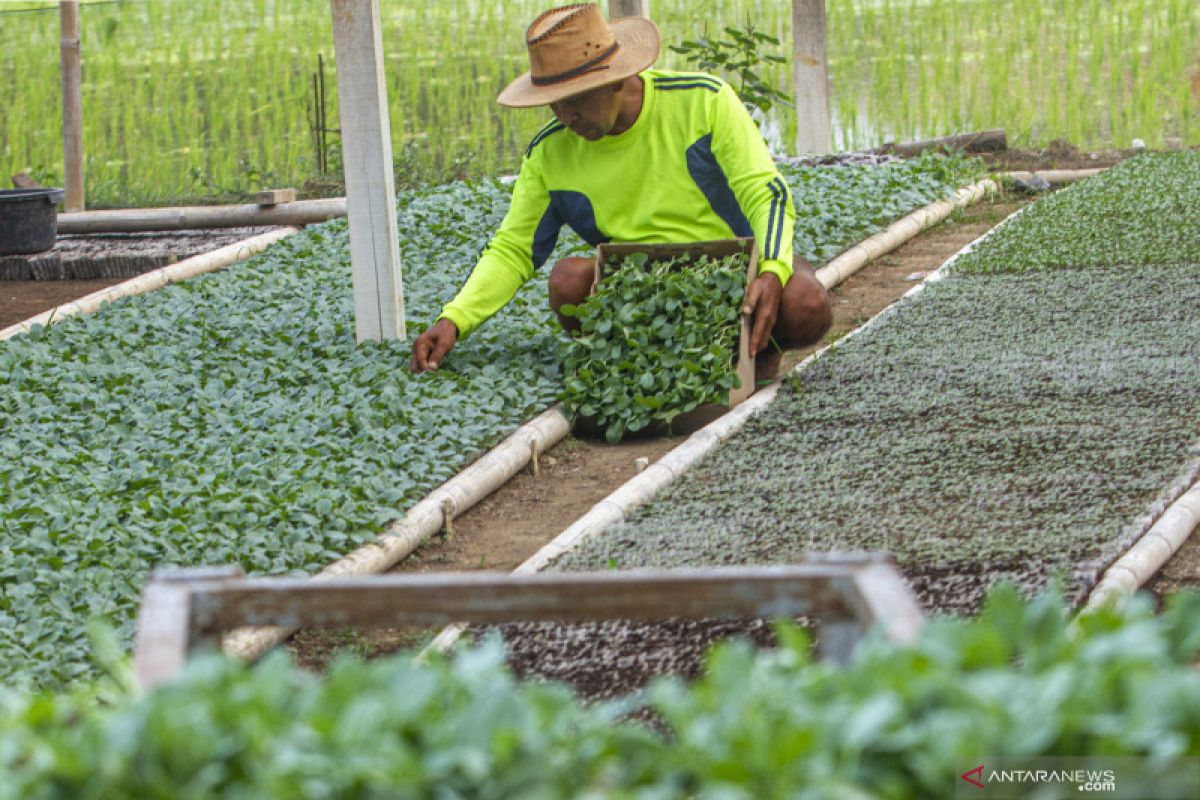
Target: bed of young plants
(1015, 420)
(232, 419)
(898, 722)
(655, 341)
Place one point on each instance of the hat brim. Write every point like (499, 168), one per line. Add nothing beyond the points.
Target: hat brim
(640, 42)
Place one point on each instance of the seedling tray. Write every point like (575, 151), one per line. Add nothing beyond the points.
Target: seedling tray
(607, 254)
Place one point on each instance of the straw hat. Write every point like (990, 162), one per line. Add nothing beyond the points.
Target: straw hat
(572, 49)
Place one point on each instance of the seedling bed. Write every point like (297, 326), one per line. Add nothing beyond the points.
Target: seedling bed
(1014, 423)
(117, 255)
(1004, 423)
(231, 418)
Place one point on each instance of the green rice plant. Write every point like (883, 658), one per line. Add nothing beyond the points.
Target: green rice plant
(207, 99)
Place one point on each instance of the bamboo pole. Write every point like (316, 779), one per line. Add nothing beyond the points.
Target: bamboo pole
(188, 268)
(132, 220)
(1056, 176)
(69, 50)
(810, 70)
(1148, 555)
(898, 233)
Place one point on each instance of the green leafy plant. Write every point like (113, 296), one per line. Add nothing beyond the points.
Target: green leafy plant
(900, 721)
(657, 339)
(741, 59)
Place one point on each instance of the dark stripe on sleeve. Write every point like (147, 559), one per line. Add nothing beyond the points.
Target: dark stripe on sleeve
(766, 245)
(546, 235)
(695, 77)
(714, 88)
(714, 185)
(784, 199)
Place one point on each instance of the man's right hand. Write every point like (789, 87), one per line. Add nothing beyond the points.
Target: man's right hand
(431, 346)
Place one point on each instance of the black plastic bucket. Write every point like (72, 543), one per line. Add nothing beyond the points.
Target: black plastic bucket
(28, 220)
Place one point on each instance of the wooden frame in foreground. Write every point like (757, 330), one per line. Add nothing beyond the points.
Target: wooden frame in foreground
(183, 610)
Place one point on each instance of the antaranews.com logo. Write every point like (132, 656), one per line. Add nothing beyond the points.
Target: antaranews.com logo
(1049, 778)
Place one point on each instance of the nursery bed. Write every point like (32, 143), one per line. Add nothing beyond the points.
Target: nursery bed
(1016, 421)
(231, 419)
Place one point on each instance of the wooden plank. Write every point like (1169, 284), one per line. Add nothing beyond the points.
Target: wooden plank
(165, 630)
(274, 197)
(814, 134)
(72, 100)
(367, 163)
(628, 8)
(743, 592)
(888, 602)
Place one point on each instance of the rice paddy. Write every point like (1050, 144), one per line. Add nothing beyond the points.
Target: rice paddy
(211, 99)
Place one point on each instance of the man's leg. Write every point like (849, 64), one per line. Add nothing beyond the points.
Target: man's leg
(570, 283)
(804, 316)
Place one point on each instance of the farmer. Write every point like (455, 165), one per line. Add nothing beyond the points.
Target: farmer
(634, 155)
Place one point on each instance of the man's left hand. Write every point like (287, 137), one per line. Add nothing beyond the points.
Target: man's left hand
(762, 303)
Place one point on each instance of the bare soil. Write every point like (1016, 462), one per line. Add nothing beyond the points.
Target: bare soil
(20, 300)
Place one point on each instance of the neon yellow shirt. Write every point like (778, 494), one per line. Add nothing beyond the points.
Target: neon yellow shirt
(693, 167)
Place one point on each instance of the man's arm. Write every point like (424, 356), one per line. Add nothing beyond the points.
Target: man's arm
(764, 198)
(523, 242)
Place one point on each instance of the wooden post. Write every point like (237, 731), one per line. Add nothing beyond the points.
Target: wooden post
(68, 16)
(628, 8)
(811, 75)
(367, 163)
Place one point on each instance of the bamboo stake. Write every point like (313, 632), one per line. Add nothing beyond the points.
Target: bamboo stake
(188, 268)
(68, 11)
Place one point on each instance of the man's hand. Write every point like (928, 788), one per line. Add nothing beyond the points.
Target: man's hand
(431, 346)
(762, 303)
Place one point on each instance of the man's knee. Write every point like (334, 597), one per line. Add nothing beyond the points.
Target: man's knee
(570, 281)
(805, 312)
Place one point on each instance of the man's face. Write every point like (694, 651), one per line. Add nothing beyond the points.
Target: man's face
(592, 114)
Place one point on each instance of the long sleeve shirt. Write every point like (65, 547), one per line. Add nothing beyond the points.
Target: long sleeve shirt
(692, 167)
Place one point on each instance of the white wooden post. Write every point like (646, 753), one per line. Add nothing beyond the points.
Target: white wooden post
(814, 133)
(72, 131)
(628, 8)
(367, 163)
